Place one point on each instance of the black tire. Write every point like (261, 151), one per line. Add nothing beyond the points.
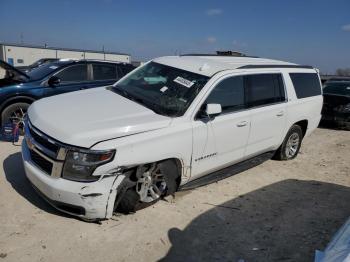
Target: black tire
(10, 110)
(281, 153)
(130, 202)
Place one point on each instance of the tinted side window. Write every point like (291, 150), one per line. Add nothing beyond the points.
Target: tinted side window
(75, 73)
(306, 84)
(229, 93)
(264, 89)
(104, 72)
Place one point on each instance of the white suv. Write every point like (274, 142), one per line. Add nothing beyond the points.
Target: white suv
(176, 122)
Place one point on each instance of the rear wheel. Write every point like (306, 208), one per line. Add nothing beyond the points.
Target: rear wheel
(15, 113)
(154, 181)
(291, 144)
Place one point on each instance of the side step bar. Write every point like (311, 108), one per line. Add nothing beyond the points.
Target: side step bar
(228, 171)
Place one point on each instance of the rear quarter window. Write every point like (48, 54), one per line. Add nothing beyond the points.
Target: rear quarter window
(104, 71)
(306, 84)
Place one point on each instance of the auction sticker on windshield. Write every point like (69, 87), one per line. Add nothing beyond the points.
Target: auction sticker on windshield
(163, 89)
(182, 81)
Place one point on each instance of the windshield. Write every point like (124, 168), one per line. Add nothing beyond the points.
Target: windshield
(36, 64)
(42, 61)
(44, 70)
(338, 89)
(165, 90)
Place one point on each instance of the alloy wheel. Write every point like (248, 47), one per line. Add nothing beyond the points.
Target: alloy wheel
(292, 145)
(151, 185)
(17, 116)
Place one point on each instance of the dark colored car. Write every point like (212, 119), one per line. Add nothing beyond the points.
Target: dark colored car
(338, 79)
(18, 89)
(36, 64)
(336, 103)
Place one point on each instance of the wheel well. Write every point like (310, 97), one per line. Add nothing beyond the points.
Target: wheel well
(180, 170)
(175, 160)
(130, 180)
(303, 124)
(23, 99)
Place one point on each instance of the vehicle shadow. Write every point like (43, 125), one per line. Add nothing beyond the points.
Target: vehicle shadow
(330, 125)
(14, 173)
(285, 221)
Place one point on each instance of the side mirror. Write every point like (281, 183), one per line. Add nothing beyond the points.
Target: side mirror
(54, 81)
(213, 109)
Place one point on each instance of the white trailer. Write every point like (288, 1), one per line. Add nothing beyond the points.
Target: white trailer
(24, 55)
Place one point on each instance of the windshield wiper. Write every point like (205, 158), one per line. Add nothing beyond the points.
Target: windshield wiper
(152, 106)
(128, 95)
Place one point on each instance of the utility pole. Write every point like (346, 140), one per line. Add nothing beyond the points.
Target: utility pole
(21, 36)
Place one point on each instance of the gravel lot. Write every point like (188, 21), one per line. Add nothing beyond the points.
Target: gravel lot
(278, 211)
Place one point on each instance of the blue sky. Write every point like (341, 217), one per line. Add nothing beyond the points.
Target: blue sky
(302, 31)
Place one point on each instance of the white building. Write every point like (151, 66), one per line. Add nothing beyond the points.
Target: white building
(23, 55)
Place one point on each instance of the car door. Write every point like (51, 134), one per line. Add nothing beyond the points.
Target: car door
(221, 141)
(266, 101)
(104, 74)
(72, 78)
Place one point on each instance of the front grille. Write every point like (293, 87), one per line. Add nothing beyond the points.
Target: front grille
(43, 141)
(41, 162)
(46, 153)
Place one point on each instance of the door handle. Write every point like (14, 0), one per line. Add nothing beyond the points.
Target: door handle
(281, 113)
(243, 123)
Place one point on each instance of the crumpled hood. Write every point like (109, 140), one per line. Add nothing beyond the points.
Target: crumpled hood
(85, 118)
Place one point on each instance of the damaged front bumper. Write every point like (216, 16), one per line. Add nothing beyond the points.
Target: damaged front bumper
(90, 201)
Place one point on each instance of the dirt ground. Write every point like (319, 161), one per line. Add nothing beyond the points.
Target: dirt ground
(278, 211)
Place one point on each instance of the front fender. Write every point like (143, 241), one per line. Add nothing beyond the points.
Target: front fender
(150, 147)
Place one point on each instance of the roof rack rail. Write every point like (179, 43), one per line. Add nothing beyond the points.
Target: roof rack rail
(230, 53)
(274, 66)
(219, 55)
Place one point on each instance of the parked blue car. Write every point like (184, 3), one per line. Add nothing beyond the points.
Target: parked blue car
(18, 89)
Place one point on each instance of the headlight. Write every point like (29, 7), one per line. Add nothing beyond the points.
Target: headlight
(80, 164)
